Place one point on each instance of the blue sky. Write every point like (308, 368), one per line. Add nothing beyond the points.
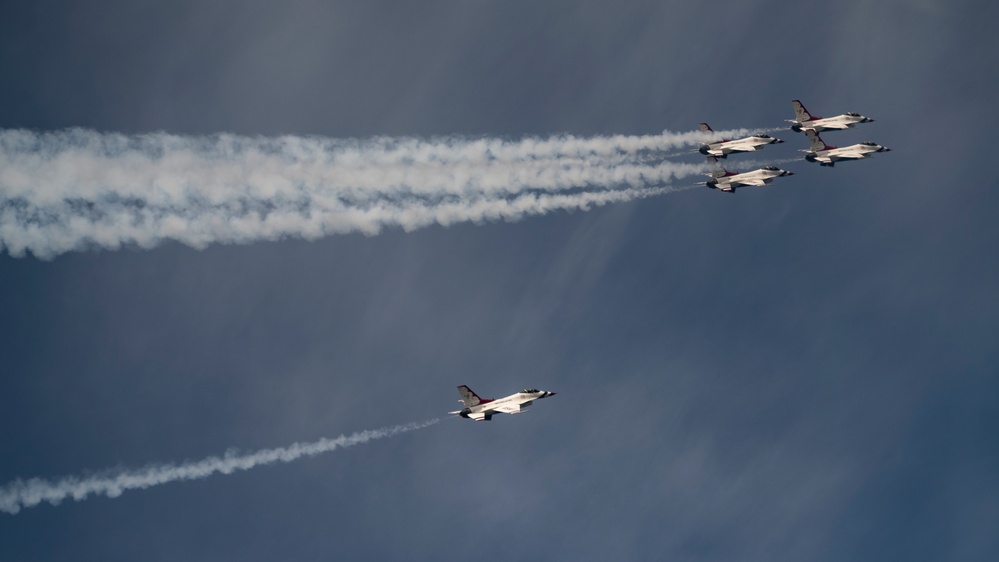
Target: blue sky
(805, 371)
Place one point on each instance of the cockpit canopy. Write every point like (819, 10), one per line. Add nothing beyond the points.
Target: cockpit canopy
(869, 143)
(853, 114)
(762, 136)
(771, 168)
(530, 391)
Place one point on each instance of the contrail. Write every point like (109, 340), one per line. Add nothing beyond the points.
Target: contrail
(20, 494)
(68, 190)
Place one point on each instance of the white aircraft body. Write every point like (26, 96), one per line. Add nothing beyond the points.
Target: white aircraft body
(482, 409)
(805, 121)
(730, 181)
(827, 155)
(722, 148)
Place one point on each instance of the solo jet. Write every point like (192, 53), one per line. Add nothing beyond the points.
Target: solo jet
(729, 181)
(805, 121)
(482, 409)
(722, 148)
(827, 155)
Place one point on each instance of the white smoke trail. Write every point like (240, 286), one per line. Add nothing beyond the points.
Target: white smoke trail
(66, 190)
(20, 494)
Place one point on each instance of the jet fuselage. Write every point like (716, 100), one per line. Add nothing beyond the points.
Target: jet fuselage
(722, 149)
(805, 121)
(729, 181)
(827, 155)
(483, 409)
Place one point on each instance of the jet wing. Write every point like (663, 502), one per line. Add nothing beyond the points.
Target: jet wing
(510, 409)
(481, 416)
(754, 182)
(836, 125)
(732, 149)
(855, 154)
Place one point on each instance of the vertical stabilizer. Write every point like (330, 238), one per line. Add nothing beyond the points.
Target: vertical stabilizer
(816, 142)
(705, 127)
(470, 398)
(800, 113)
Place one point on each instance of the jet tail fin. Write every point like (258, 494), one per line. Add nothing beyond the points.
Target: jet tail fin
(816, 141)
(705, 127)
(470, 398)
(800, 113)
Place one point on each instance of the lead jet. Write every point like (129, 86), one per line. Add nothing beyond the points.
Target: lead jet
(805, 121)
(483, 409)
(722, 148)
(730, 181)
(827, 155)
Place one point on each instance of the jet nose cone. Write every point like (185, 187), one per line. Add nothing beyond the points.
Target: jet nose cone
(551, 394)
(887, 149)
(788, 173)
(780, 141)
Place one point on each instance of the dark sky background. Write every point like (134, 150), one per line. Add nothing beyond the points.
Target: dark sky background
(801, 372)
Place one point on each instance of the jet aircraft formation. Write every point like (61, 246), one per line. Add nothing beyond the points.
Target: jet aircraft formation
(804, 121)
(483, 409)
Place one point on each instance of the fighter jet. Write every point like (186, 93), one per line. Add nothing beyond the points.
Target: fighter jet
(805, 121)
(730, 181)
(482, 409)
(827, 155)
(722, 148)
